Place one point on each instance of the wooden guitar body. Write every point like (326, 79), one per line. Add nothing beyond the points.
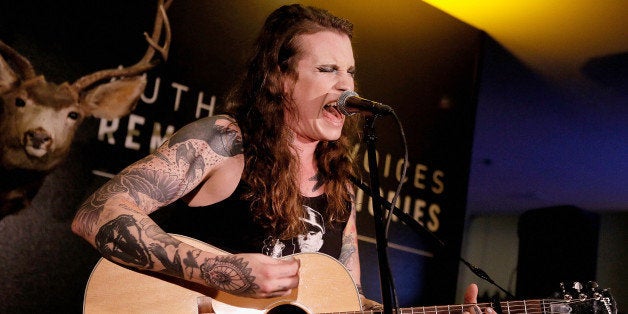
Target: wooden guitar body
(113, 288)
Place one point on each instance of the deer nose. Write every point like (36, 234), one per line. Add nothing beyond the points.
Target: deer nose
(37, 138)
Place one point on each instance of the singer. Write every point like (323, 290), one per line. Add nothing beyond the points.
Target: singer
(258, 181)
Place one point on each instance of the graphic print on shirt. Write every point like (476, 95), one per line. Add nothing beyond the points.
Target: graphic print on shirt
(311, 241)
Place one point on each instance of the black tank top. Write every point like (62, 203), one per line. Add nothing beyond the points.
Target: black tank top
(230, 226)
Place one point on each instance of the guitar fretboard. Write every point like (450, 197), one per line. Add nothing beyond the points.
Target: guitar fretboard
(544, 306)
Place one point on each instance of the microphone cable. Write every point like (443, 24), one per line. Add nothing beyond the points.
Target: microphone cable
(402, 180)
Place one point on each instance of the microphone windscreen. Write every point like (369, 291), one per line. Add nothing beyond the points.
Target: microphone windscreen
(342, 100)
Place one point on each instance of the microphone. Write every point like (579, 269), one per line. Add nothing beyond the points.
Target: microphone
(349, 103)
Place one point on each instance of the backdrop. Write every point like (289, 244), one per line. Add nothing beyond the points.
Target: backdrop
(409, 55)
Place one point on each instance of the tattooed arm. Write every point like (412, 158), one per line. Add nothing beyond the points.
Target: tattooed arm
(351, 259)
(349, 251)
(115, 218)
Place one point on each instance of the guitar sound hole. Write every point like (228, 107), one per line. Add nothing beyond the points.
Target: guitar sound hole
(287, 309)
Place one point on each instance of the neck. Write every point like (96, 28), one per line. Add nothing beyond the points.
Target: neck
(308, 180)
(304, 150)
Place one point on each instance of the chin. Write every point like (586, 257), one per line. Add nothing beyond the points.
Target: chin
(331, 138)
(331, 135)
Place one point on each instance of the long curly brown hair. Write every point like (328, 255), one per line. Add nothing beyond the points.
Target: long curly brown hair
(259, 104)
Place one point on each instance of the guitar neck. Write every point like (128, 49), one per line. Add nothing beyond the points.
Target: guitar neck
(544, 306)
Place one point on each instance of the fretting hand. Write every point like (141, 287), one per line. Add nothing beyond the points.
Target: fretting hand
(471, 297)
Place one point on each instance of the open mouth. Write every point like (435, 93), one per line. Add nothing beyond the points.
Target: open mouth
(331, 111)
(35, 151)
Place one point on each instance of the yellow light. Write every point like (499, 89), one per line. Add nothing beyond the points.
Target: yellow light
(553, 35)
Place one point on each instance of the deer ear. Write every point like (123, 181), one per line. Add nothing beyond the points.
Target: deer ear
(114, 99)
(7, 76)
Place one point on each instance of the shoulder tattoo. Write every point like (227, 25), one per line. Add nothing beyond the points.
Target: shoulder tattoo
(224, 140)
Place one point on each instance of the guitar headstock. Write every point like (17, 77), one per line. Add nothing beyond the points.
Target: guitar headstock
(587, 298)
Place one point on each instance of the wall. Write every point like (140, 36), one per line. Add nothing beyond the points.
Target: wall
(491, 243)
(533, 147)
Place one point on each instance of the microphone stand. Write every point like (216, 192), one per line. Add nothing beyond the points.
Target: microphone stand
(380, 236)
(386, 278)
(419, 228)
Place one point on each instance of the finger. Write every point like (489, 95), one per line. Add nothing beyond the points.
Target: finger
(471, 295)
(283, 288)
(281, 293)
(279, 279)
(285, 284)
(473, 309)
(287, 267)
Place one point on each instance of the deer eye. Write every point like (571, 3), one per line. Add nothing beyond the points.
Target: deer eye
(19, 102)
(73, 115)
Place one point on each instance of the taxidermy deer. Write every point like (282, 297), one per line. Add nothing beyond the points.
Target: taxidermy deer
(38, 119)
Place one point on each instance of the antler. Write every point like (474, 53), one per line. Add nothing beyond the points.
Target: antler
(147, 62)
(24, 67)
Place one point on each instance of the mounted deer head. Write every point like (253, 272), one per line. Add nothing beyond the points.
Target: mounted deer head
(38, 119)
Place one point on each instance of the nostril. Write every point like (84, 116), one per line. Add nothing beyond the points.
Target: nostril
(37, 137)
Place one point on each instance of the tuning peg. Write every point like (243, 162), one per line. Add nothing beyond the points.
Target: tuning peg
(562, 287)
(593, 285)
(566, 295)
(595, 293)
(577, 286)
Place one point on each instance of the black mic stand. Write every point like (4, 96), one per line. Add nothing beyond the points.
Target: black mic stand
(380, 236)
(420, 229)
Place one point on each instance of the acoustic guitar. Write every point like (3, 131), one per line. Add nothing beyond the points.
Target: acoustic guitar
(325, 286)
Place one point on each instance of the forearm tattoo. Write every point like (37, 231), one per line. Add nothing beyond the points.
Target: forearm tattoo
(121, 240)
(347, 250)
(229, 274)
